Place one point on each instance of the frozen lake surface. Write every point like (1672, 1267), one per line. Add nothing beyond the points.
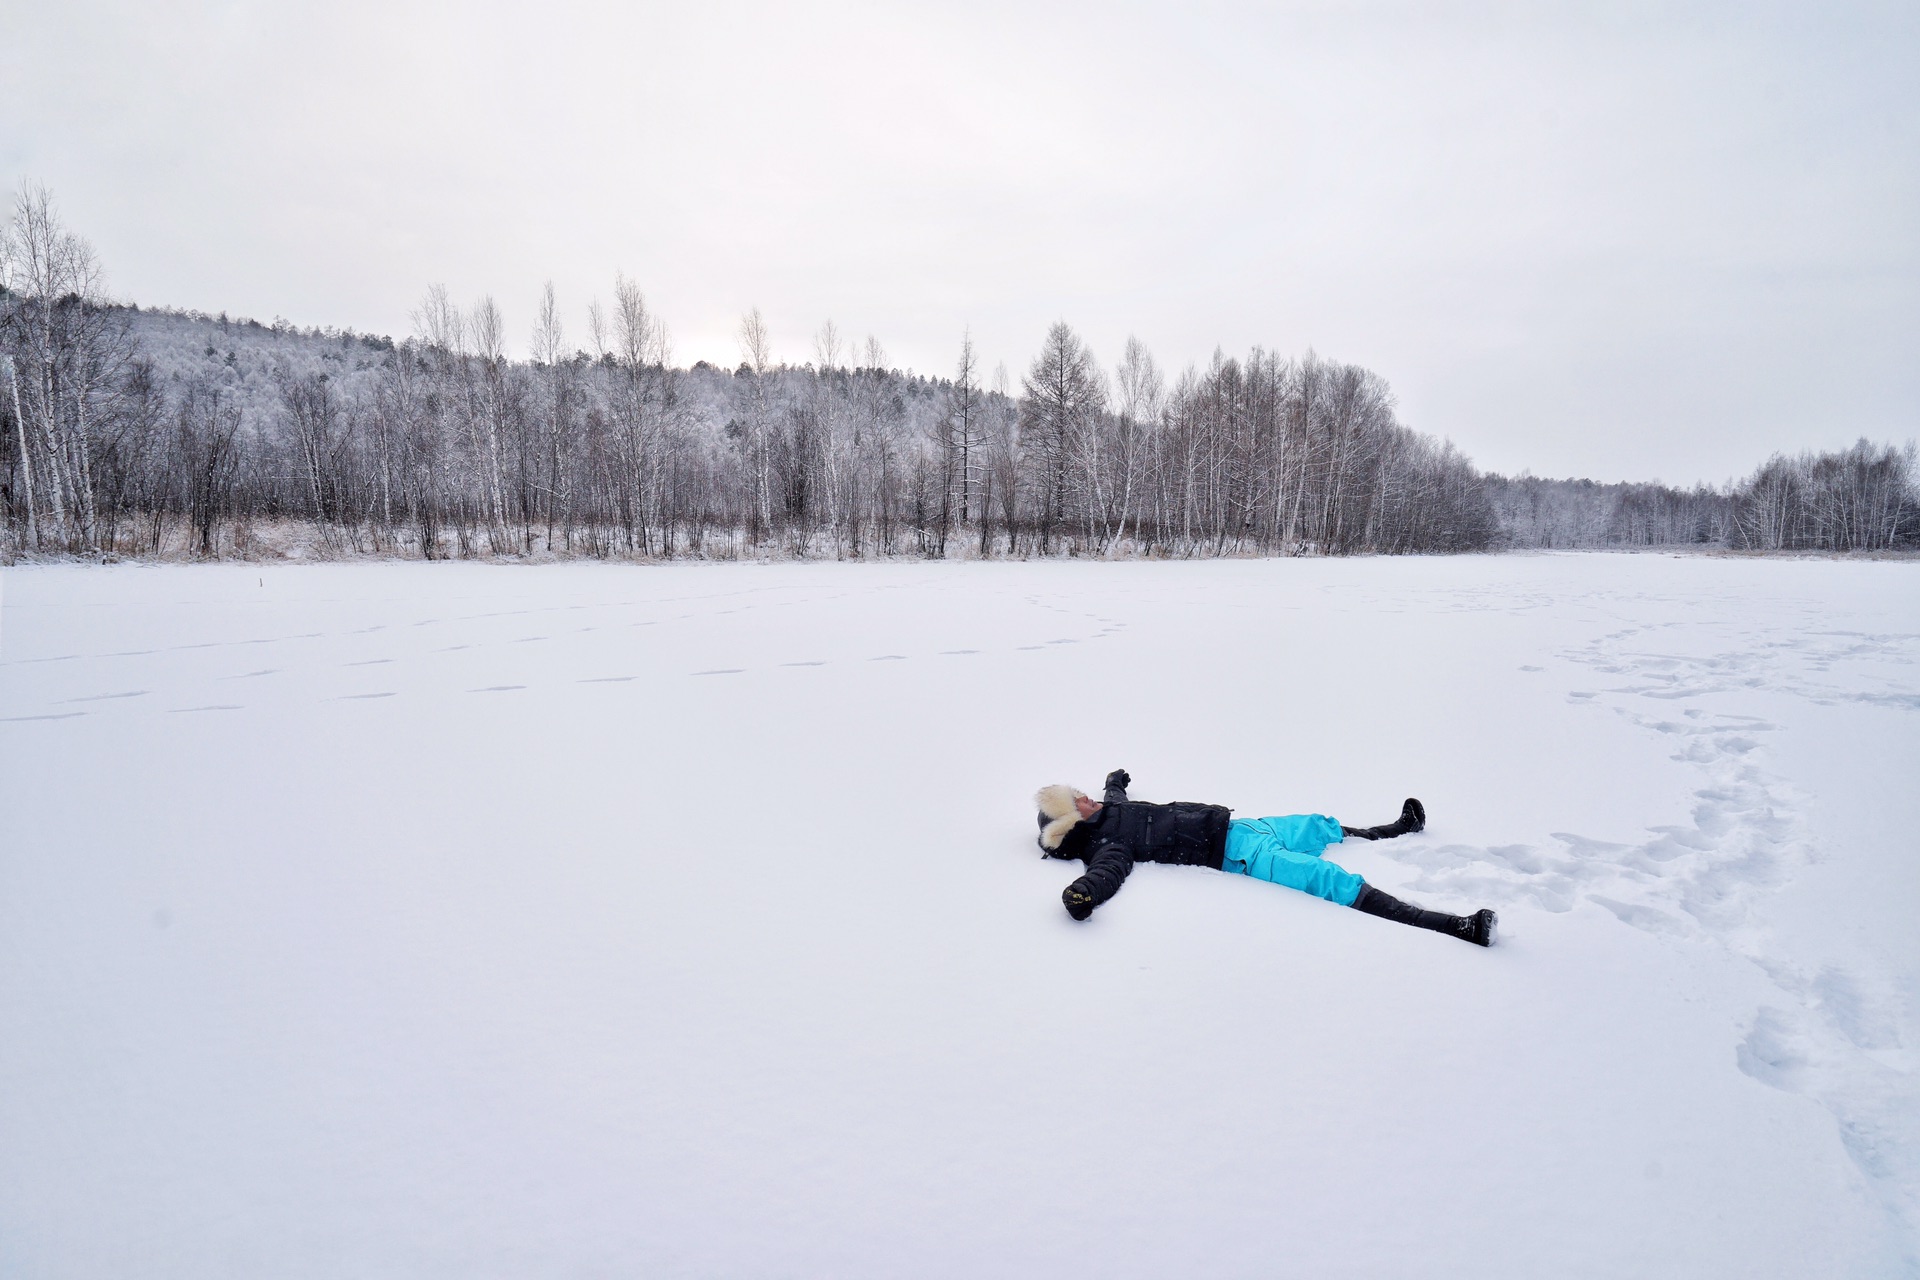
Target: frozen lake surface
(470, 921)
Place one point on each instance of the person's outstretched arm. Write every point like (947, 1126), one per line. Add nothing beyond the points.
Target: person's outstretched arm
(1107, 870)
(1117, 783)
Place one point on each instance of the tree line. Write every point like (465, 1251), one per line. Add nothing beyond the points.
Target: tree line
(138, 432)
(1864, 498)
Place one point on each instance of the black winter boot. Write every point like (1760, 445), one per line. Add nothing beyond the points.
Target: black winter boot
(1484, 922)
(1476, 928)
(1413, 817)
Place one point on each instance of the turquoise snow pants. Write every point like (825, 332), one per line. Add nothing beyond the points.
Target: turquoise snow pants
(1287, 851)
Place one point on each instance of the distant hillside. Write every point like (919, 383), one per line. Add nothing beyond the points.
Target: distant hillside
(1545, 514)
(244, 358)
(1858, 499)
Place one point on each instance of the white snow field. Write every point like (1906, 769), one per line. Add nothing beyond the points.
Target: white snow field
(465, 921)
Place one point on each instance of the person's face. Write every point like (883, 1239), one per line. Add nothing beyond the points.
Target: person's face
(1086, 806)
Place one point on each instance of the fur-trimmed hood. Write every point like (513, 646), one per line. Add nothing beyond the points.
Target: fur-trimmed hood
(1058, 813)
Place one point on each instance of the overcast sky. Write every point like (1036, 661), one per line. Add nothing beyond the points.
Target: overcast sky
(1624, 241)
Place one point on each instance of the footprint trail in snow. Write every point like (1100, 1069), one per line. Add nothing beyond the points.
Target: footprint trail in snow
(1832, 1032)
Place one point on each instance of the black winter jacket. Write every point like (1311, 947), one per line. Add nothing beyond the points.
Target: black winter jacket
(1125, 831)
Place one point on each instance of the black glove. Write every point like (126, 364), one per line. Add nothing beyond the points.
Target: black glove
(1120, 778)
(1078, 903)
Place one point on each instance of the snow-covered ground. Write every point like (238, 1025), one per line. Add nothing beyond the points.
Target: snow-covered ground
(466, 921)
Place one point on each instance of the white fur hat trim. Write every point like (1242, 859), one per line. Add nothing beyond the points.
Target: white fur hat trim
(1057, 803)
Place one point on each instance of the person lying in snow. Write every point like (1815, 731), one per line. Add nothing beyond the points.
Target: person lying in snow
(1111, 836)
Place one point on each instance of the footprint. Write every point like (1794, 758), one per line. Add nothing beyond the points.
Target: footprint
(889, 657)
(1649, 919)
(62, 715)
(450, 648)
(355, 696)
(1533, 668)
(1848, 1009)
(1028, 648)
(957, 652)
(498, 688)
(104, 697)
(604, 679)
(803, 664)
(1774, 1051)
(234, 706)
(720, 671)
(367, 662)
(527, 639)
(264, 671)
(1584, 847)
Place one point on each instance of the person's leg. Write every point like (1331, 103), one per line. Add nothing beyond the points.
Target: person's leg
(1253, 850)
(1413, 817)
(1308, 833)
(1477, 928)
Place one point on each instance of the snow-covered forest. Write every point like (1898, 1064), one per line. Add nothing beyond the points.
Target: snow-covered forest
(142, 432)
(1858, 499)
